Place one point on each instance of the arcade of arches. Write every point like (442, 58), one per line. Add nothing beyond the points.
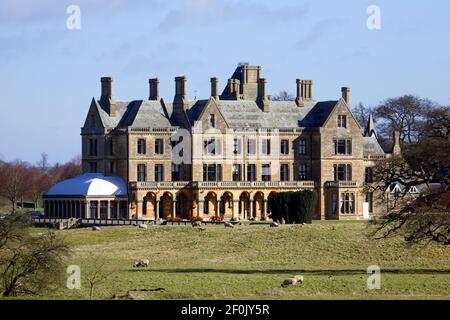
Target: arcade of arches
(206, 204)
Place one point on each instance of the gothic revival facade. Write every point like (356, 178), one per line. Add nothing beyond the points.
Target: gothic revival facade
(224, 155)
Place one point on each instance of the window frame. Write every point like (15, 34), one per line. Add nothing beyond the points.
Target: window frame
(159, 172)
(284, 172)
(284, 147)
(266, 177)
(159, 146)
(141, 146)
(141, 175)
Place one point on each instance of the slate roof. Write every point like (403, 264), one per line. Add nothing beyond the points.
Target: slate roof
(282, 114)
(372, 147)
(137, 114)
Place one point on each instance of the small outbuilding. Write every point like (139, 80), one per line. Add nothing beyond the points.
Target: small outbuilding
(89, 196)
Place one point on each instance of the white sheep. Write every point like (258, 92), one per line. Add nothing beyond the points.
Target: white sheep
(289, 282)
(229, 225)
(141, 263)
(292, 281)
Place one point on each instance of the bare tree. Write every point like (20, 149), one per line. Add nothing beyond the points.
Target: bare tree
(283, 96)
(96, 272)
(38, 182)
(362, 113)
(43, 162)
(29, 264)
(426, 217)
(406, 114)
(13, 177)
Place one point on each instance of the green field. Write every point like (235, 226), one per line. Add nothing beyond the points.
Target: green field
(251, 261)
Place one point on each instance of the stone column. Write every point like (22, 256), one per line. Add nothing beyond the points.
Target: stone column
(251, 208)
(218, 204)
(139, 209)
(200, 208)
(174, 209)
(108, 215)
(87, 209)
(263, 209)
(236, 209)
(157, 210)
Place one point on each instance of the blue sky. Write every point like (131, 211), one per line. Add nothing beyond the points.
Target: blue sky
(48, 74)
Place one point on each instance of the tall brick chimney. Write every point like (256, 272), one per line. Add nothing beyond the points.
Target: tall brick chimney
(346, 95)
(107, 97)
(215, 88)
(154, 89)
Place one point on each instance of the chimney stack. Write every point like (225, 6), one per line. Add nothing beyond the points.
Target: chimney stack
(346, 95)
(107, 98)
(304, 92)
(234, 88)
(154, 89)
(215, 88)
(107, 88)
(263, 101)
(396, 149)
(180, 101)
(180, 87)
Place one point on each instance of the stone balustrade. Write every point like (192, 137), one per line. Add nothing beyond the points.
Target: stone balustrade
(222, 184)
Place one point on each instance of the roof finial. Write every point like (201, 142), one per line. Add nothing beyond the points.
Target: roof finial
(370, 128)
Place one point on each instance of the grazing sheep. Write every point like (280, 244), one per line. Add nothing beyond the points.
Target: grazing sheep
(289, 282)
(299, 278)
(229, 225)
(143, 226)
(196, 224)
(142, 263)
(95, 228)
(274, 225)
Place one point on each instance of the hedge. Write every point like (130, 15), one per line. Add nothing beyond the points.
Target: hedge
(293, 207)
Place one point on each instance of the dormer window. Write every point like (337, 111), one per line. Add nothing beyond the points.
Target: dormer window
(342, 121)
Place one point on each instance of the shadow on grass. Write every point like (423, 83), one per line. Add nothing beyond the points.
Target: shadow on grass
(334, 272)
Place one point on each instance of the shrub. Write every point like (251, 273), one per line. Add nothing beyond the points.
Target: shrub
(293, 207)
(217, 218)
(196, 218)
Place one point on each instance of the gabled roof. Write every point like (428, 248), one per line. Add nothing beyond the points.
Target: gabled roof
(141, 114)
(138, 113)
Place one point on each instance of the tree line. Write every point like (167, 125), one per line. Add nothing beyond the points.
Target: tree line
(24, 182)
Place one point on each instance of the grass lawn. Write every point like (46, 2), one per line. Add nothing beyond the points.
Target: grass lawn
(251, 261)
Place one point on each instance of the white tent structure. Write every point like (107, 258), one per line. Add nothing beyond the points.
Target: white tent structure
(89, 196)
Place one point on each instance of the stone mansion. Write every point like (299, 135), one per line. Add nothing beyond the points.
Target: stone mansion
(221, 156)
